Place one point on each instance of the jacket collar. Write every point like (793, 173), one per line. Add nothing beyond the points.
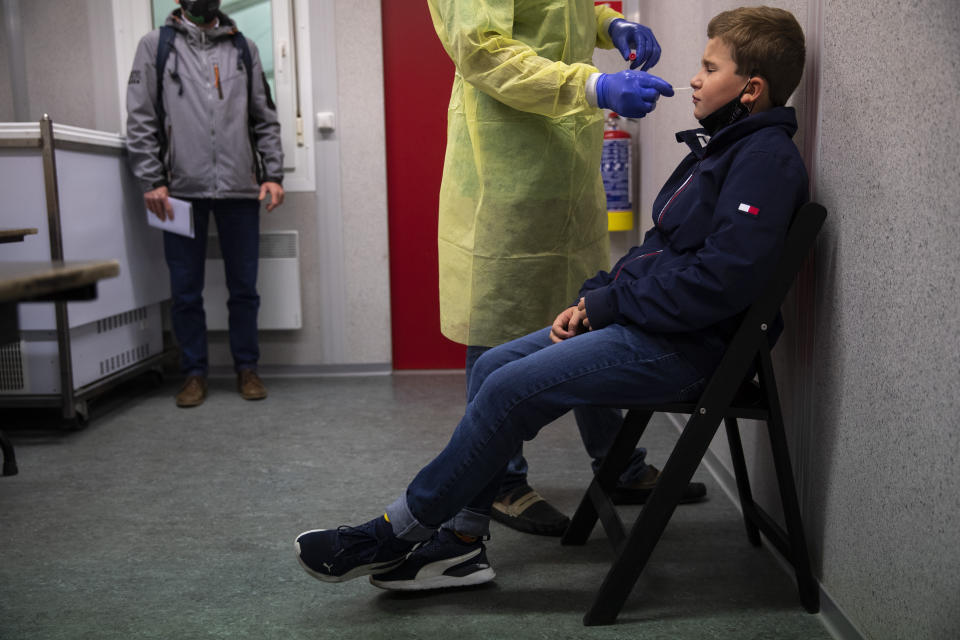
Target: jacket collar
(702, 144)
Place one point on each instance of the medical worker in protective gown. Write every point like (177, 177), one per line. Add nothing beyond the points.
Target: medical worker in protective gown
(522, 219)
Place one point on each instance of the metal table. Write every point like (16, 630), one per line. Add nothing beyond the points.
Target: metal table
(42, 282)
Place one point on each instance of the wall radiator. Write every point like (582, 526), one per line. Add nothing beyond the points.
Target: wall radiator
(278, 282)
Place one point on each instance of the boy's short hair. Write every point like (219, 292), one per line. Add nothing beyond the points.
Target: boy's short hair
(764, 41)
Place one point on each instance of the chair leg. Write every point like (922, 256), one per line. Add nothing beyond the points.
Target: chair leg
(806, 585)
(9, 458)
(650, 524)
(616, 460)
(743, 479)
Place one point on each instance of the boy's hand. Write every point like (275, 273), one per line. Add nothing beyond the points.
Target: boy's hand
(584, 320)
(569, 323)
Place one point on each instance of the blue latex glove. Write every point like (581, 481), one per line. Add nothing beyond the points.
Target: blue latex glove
(632, 94)
(630, 35)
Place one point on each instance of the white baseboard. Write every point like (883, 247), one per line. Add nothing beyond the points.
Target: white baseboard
(310, 371)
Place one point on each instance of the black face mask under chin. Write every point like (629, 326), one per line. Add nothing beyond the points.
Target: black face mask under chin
(727, 114)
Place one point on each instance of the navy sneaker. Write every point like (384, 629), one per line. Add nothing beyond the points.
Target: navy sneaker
(443, 561)
(335, 555)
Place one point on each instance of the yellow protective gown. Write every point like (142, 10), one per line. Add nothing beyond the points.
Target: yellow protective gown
(522, 219)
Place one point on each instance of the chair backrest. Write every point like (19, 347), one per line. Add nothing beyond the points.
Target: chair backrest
(752, 333)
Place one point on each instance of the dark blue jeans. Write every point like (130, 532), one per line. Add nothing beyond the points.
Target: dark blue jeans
(238, 228)
(598, 427)
(515, 390)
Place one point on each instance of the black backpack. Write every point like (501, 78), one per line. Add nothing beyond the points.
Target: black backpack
(167, 35)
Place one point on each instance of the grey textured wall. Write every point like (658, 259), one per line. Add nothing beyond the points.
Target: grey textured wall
(7, 110)
(888, 317)
(870, 364)
(67, 76)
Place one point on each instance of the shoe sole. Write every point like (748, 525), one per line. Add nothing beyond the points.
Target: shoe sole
(442, 574)
(436, 582)
(356, 572)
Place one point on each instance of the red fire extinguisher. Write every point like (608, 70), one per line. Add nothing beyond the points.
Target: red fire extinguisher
(617, 176)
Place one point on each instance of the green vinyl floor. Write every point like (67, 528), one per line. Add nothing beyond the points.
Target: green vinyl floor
(167, 523)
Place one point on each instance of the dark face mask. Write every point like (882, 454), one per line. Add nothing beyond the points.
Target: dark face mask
(727, 114)
(200, 11)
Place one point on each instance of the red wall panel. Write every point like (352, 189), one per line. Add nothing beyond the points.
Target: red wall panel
(417, 75)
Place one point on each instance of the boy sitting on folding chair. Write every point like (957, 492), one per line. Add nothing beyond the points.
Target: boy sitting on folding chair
(650, 331)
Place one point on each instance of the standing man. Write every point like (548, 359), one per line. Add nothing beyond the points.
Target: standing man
(202, 126)
(522, 219)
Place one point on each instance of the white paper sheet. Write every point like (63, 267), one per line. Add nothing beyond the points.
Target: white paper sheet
(182, 222)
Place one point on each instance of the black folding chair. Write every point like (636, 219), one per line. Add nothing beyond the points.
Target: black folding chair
(731, 393)
(9, 457)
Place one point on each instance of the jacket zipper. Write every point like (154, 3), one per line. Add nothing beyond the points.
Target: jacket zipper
(677, 193)
(216, 77)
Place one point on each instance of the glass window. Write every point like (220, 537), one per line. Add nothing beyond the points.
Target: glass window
(253, 17)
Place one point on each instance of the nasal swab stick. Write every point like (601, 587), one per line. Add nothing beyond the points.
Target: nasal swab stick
(676, 89)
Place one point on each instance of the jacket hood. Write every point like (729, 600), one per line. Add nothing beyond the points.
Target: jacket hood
(226, 28)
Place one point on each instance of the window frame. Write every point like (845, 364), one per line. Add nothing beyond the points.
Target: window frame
(292, 70)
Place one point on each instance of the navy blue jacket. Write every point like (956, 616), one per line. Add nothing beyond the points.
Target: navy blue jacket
(720, 222)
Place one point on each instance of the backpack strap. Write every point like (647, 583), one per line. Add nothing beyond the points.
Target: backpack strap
(167, 34)
(240, 42)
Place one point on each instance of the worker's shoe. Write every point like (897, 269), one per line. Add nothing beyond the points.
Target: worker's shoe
(250, 385)
(193, 392)
(525, 510)
(335, 555)
(638, 492)
(446, 560)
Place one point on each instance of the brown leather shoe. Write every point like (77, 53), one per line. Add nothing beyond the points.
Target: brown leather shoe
(250, 385)
(637, 492)
(525, 510)
(193, 392)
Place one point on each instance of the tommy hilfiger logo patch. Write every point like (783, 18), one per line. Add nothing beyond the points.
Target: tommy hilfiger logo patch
(747, 208)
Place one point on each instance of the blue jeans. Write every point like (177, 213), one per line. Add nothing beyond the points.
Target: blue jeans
(238, 227)
(516, 389)
(598, 427)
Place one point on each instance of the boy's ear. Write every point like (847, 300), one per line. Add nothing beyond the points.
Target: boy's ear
(755, 95)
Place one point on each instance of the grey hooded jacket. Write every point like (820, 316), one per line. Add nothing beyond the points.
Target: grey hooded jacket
(209, 153)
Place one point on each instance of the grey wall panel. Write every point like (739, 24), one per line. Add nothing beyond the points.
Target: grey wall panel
(60, 61)
(888, 317)
(363, 183)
